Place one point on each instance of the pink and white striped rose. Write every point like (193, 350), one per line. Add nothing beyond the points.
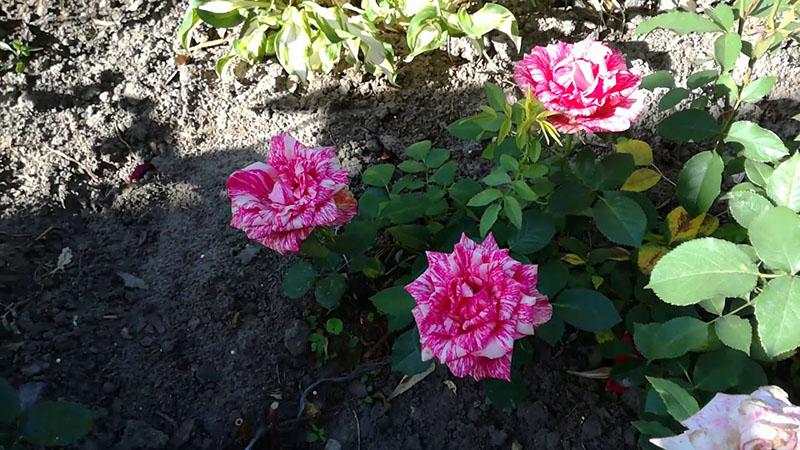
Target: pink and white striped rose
(472, 304)
(587, 84)
(280, 202)
(763, 420)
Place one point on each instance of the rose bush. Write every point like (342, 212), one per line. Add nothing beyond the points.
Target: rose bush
(472, 304)
(587, 84)
(763, 420)
(570, 239)
(280, 202)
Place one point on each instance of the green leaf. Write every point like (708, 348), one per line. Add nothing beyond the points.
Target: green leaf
(298, 279)
(620, 219)
(537, 231)
(523, 191)
(485, 197)
(726, 87)
(489, 217)
(673, 98)
(495, 95)
(680, 404)
(334, 326)
(722, 15)
(55, 424)
(293, 43)
(758, 173)
(552, 277)
(190, 21)
(612, 171)
(369, 204)
(411, 166)
(464, 189)
(718, 371)
(701, 78)
(219, 14)
(490, 17)
(446, 174)
(734, 332)
(512, 211)
(570, 198)
(726, 50)
(670, 339)
(378, 175)
(701, 269)
(397, 304)
(329, 290)
(437, 157)
(586, 310)
(466, 129)
(406, 208)
(652, 428)
(757, 89)
(759, 143)
(419, 150)
(410, 236)
(775, 234)
(551, 331)
(506, 394)
(406, 354)
(658, 79)
(699, 182)
(689, 125)
(778, 313)
(497, 177)
(9, 404)
(783, 186)
(678, 22)
(714, 305)
(745, 206)
(426, 31)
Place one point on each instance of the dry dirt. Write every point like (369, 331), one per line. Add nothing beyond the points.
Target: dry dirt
(190, 352)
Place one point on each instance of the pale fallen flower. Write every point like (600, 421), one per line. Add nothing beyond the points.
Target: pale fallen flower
(763, 420)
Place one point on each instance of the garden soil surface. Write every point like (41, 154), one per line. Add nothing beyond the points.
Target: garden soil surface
(170, 325)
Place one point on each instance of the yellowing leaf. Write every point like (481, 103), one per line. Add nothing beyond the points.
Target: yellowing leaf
(641, 180)
(648, 257)
(597, 281)
(604, 336)
(709, 225)
(619, 254)
(407, 382)
(681, 227)
(640, 150)
(571, 258)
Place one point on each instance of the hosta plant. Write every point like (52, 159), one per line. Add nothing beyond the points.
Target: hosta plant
(43, 424)
(313, 37)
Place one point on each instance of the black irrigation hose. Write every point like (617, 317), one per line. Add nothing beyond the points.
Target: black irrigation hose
(357, 372)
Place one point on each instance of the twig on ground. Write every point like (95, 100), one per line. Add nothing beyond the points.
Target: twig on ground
(358, 428)
(274, 425)
(357, 372)
(81, 165)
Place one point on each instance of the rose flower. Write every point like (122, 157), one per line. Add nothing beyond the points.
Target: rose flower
(587, 84)
(472, 304)
(763, 420)
(280, 202)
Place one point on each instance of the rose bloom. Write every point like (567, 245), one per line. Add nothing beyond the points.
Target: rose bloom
(763, 420)
(587, 84)
(280, 202)
(472, 304)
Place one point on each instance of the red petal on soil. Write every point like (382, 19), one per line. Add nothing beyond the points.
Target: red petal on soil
(613, 386)
(139, 172)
